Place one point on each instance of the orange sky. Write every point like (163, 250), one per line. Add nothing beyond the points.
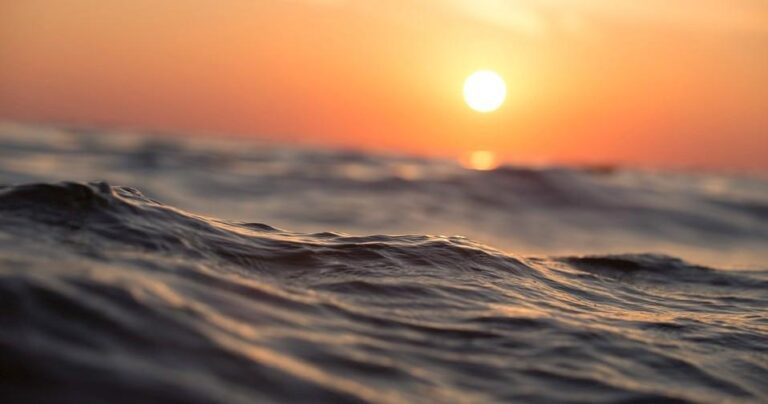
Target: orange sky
(652, 82)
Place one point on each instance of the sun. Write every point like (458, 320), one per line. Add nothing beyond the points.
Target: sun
(484, 91)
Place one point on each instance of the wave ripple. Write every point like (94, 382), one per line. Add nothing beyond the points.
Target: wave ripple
(108, 296)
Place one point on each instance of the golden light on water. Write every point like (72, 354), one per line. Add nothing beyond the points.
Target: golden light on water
(481, 160)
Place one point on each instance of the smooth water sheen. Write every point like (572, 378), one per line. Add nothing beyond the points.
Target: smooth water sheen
(119, 294)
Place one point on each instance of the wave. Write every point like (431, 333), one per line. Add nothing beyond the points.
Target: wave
(108, 295)
(713, 219)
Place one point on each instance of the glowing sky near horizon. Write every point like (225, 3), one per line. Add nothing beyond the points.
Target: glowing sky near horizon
(671, 83)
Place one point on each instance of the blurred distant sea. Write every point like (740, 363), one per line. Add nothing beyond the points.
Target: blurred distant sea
(144, 268)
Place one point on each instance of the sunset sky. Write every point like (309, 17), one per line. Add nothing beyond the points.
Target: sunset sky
(680, 83)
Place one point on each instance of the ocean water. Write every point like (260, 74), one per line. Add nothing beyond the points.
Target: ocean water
(136, 267)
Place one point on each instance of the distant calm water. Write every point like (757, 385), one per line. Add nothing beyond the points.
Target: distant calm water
(198, 271)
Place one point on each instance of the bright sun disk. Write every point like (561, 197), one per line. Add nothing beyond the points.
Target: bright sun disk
(484, 91)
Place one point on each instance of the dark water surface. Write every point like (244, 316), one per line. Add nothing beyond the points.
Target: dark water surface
(107, 295)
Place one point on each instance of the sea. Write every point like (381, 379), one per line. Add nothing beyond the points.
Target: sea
(141, 267)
